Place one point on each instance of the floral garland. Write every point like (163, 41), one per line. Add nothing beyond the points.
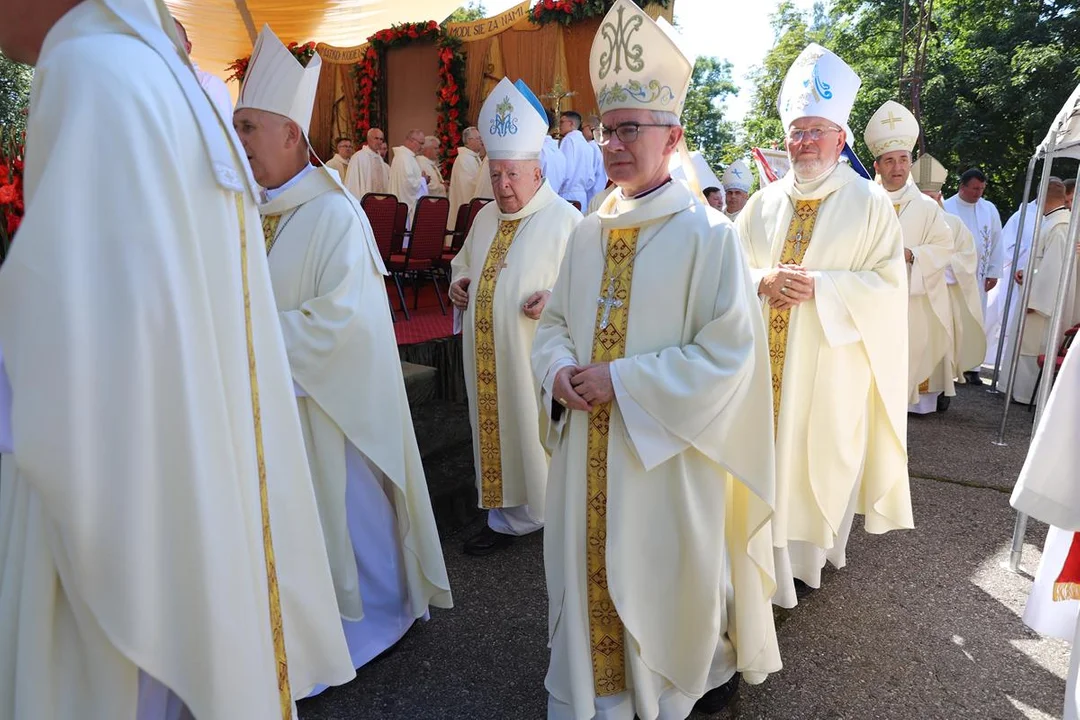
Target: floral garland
(451, 106)
(303, 53)
(12, 147)
(570, 11)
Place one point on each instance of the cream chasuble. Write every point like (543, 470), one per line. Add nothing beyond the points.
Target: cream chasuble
(483, 187)
(659, 287)
(328, 282)
(841, 425)
(507, 258)
(406, 180)
(969, 339)
(367, 173)
(930, 325)
(462, 181)
(157, 513)
(436, 184)
(339, 165)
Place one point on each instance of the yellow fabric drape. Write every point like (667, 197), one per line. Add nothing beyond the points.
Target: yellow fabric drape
(531, 57)
(577, 44)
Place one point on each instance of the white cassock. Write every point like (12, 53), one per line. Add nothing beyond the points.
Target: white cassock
(483, 187)
(553, 164)
(969, 340)
(406, 179)
(600, 178)
(463, 180)
(1047, 491)
(339, 165)
(840, 393)
(580, 168)
(373, 499)
(995, 299)
(436, 185)
(930, 325)
(367, 173)
(131, 528)
(1052, 251)
(511, 462)
(688, 454)
(215, 90)
(984, 222)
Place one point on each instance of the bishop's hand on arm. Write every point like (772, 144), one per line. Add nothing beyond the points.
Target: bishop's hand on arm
(534, 305)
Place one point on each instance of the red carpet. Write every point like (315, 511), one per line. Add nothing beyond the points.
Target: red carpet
(426, 322)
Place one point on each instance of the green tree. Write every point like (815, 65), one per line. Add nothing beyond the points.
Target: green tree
(703, 114)
(469, 12)
(15, 81)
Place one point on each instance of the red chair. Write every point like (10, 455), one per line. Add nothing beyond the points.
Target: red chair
(475, 206)
(1066, 343)
(401, 230)
(425, 249)
(382, 210)
(457, 240)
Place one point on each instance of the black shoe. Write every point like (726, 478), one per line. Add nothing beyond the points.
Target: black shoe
(943, 402)
(718, 698)
(486, 542)
(973, 377)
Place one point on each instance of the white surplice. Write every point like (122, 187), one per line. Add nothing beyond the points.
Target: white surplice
(995, 299)
(531, 264)
(841, 445)
(436, 185)
(580, 168)
(1047, 491)
(367, 173)
(689, 457)
(406, 178)
(462, 181)
(328, 283)
(553, 165)
(131, 528)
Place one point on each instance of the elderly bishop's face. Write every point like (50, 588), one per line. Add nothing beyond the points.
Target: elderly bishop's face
(515, 182)
(272, 144)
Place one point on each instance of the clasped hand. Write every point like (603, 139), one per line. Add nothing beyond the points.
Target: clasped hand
(787, 286)
(459, 293)
(583, 388)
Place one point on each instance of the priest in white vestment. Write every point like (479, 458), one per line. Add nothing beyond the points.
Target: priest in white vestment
(408, 181)
(826, 253)
(995, 299)
(580, 159)
(891, 134)
(212, 85)
(429, 165)
(159, 539)
(483, 187)
(1051, 252)
(368, 172)
(343, 152)
(464, 174)
(501, 282)
(1047, 491)
(327, 276)
(984, 222)
(968, 338)
(737, 183)
(652, 359)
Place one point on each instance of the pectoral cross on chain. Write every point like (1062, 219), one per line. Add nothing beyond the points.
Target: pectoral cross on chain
(798, 244)
(608, 301)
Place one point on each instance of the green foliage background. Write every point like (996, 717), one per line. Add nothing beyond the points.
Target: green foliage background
(15, 82)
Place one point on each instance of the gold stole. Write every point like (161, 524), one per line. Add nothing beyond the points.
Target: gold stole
(924, 387)
(798, 239)
(270, 226)
(487, 388)
(609, 343)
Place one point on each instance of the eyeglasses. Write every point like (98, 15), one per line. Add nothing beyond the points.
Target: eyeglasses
(626, 132)
(813, 134)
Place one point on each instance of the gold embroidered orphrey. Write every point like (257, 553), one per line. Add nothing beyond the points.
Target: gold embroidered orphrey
(487, 387)
(609, 343)
(277, 626)
(795, 244)
(270, 226)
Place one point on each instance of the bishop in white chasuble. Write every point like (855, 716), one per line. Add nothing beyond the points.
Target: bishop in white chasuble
(158, 528)
(839, 365)
(969, 339)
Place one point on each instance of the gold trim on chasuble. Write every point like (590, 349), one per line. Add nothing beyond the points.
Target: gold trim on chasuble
(609, 343)
(795, 244)
(270, 226)
(277, 627)
(487, 387)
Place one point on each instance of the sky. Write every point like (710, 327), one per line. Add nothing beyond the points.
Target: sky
(735, 30)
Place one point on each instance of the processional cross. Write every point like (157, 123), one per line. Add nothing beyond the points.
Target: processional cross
(608, 301)
(558, 92)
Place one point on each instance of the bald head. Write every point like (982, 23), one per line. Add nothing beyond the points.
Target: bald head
(1055, 195)
(414, 140)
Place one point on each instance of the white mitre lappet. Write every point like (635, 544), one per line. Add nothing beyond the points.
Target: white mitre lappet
(512, 122)
(928, 173)
(737, 177)
(892, 127)
(818, 84)
(276, 81)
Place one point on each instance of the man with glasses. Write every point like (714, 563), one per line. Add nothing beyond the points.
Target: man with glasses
(652, 360)
(367, 171)
(826, 253)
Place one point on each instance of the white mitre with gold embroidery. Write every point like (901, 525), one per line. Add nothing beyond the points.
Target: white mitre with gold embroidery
(737, 177)
(892, 127)
(276, 81)
(818, 84)
(512, 127)
(636, 62)
(929, 174)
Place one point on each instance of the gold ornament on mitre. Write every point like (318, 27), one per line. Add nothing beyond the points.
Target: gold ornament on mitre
(928, 173)
(276, 81)
(892, 127)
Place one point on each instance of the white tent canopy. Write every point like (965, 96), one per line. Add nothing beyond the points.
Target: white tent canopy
(221, 31)
(1066, 128)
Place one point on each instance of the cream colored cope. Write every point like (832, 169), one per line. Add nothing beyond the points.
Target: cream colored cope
(368, 173)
